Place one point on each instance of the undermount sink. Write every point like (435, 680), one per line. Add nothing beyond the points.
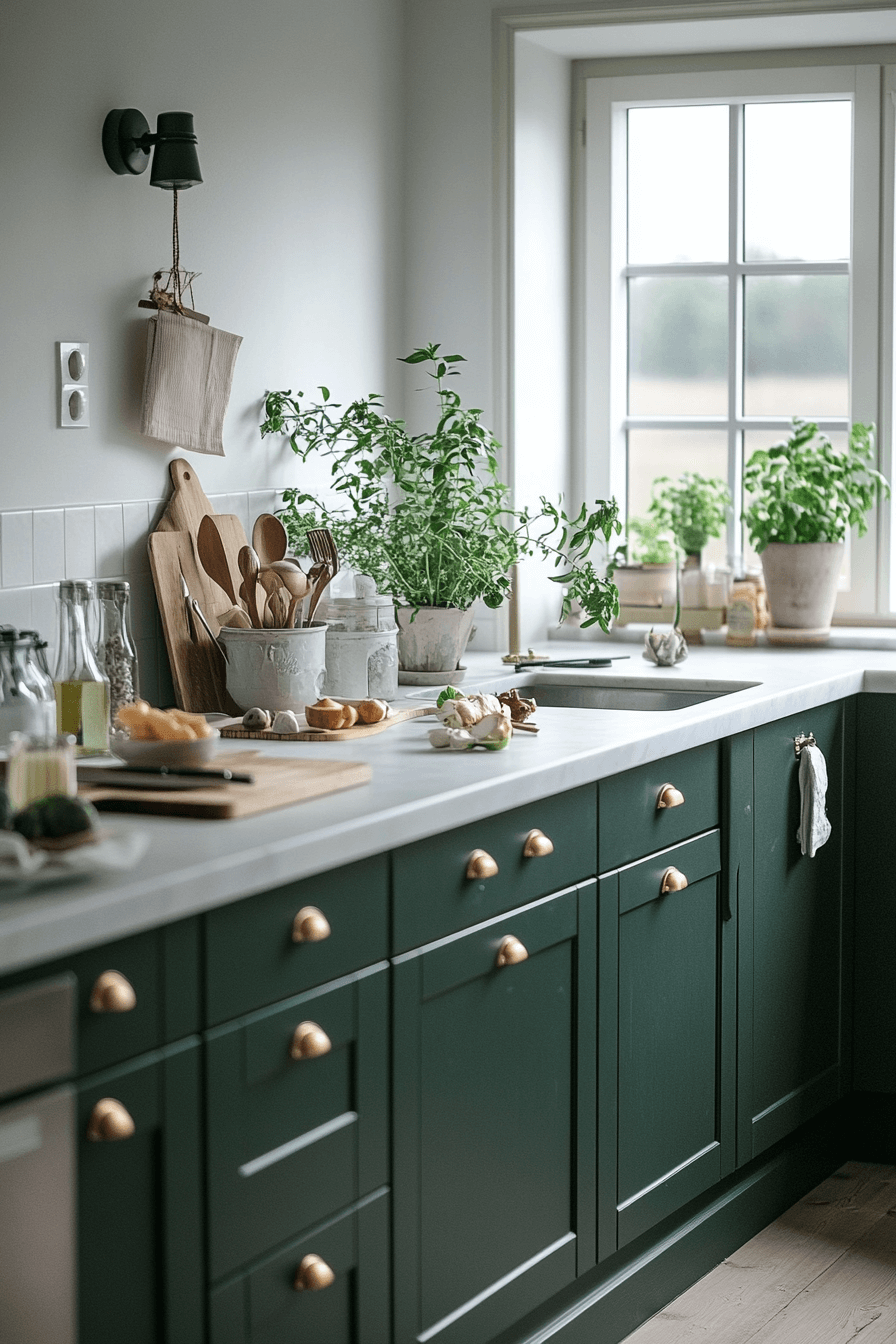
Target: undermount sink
(626, 694)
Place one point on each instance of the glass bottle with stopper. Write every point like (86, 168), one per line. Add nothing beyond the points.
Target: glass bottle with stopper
(82, 690)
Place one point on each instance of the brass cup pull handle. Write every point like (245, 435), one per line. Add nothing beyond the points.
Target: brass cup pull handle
(669, 796)
(481, 865)
(309, 1041)
(109, 1121)
(112, 993)
(538, 845)
(312, 1274)
(672, 880)
(510, 952)
(310, 925)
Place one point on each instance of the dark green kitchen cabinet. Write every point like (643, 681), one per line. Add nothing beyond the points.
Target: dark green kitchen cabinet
(139, 1220)
(795, 932)
(297, 1097)
(667, 1036)
(345, 1301)
(494, 1119)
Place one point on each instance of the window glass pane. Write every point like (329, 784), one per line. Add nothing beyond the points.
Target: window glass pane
(795, 345)
(765, 438)
(797, 181)
(678, 345)
(669, 452)
(677, 184)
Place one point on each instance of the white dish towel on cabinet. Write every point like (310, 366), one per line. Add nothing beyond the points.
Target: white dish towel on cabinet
(814, 829)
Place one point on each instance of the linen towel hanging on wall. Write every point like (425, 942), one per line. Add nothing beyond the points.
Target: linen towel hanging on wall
(186, 388)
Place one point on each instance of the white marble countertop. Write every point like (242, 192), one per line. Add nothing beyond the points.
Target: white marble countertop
(416, 791)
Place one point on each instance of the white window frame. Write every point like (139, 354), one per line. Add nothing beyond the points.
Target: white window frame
(600, 259)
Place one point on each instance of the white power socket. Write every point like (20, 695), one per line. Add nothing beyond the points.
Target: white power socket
(74, 392)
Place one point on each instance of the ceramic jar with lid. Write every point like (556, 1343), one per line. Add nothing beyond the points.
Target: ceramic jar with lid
(362, 645)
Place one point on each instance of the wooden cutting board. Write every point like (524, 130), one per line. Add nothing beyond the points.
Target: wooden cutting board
(188, 504)
(279, 782)
(197, 668)
(234, 728)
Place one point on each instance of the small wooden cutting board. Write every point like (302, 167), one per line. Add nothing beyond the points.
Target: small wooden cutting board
(279, 782)
(234, 728)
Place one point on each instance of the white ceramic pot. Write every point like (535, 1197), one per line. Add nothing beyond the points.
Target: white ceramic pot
(275, 669)
(801, 579)
(434, 640)
(646, 585)
(362, 664)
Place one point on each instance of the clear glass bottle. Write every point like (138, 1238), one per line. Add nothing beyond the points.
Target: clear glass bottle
(115, 652)
(20, 709)
(82, 691)
(37, 675)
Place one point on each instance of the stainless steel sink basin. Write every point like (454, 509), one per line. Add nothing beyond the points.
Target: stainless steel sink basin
(627, 695)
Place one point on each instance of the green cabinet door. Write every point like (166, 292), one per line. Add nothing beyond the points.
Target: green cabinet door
(493, 1104)
(667, 1047)
(140, 1235)
(793, 937)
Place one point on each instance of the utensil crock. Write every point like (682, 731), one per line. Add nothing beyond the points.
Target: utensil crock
(275, 669)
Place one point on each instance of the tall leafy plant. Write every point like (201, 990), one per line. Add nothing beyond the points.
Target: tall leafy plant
(692, 507)
(805, 489)
(427, 515)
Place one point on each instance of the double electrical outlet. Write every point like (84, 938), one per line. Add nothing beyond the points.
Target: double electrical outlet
(74, 394)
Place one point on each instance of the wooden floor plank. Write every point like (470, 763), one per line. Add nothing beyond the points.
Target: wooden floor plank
(750, 1289)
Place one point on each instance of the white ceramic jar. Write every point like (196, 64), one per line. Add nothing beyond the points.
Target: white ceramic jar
(275, 669)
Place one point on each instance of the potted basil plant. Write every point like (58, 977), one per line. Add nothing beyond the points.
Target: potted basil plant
(644, 566)
(427, 516)
(805, 496)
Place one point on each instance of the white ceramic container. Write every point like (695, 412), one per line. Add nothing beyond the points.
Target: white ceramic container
(802, 578)
(362, 664)
(434, 639)
(275, 669)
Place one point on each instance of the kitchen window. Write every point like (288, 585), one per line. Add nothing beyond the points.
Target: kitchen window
(730, 260)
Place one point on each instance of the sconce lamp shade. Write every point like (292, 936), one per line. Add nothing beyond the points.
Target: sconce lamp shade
(127, 143)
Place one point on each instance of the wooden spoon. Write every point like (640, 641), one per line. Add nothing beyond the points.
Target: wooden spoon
(269, 538)
(214, 557)
(236, 618)
(248, 563)
(296, 583)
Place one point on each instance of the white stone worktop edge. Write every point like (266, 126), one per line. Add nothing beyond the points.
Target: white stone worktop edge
(415, 792)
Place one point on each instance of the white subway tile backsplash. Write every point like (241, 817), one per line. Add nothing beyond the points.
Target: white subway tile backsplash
(264, 501)
(49, 545)
(239, 505)
(109, 540)
(15, 607)
(80, 544)
(15, 549)
(136, 530)
(44, 617)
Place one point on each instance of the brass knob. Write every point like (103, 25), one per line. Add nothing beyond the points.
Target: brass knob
(309, 1041)
(310, 925)
(312, 1274)
(511, 951)
(481, 865)
(112, 993)
(109, 1121)
(673, 880)
(538, 845)
(669, 796)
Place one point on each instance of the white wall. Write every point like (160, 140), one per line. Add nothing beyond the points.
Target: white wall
(296, 228)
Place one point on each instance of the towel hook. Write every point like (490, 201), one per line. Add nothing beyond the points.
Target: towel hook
(804, 740)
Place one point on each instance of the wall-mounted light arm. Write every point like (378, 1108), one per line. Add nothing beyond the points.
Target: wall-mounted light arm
(127, 141)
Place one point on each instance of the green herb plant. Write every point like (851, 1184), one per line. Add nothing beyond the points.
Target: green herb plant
(426, 515)
(647, 543)
(693, 508)
(805, 489)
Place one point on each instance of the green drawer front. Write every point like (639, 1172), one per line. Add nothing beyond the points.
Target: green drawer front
(293, 1140)
(264, 1307)
(629, 823)
(106, 1038)
(252, 959)
(433, 895)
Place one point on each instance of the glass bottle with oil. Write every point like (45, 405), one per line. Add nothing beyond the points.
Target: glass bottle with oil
(82, 691)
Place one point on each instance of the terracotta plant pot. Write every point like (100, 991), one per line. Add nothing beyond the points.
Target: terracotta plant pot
(801, 579)
(434, 640)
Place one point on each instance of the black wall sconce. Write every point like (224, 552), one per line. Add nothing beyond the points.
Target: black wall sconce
(127, 142)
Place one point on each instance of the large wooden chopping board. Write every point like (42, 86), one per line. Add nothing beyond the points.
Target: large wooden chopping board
(279, 782)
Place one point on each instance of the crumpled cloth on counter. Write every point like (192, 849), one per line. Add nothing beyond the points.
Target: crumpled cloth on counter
(814, 828)
(186, 386)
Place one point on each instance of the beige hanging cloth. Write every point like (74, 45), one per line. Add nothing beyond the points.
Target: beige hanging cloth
(189, 370)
